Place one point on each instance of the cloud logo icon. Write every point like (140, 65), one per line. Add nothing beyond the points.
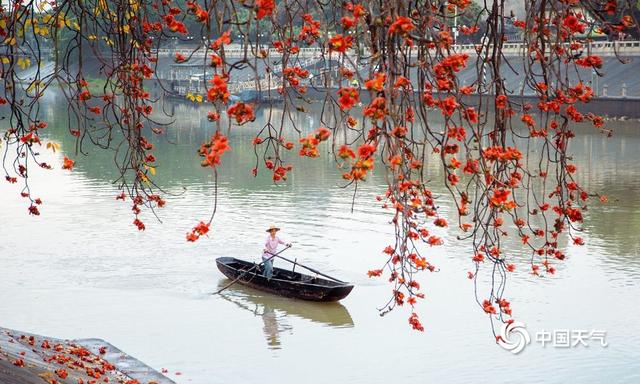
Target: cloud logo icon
(514, 337)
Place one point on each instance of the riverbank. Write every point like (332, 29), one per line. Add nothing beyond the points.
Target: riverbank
(609, 107)
(27, 358)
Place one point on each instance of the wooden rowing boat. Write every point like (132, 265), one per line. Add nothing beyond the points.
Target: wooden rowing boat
(284, 282)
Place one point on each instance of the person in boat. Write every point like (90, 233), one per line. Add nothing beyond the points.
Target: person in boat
(270, 249)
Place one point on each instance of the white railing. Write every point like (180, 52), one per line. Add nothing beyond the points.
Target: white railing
(605, 48)
(263, 85)
(234, 50)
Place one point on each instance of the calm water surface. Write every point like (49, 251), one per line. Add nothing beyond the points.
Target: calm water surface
(82, 270)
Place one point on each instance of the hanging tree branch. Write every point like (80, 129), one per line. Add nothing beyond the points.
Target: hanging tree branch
(406, 109)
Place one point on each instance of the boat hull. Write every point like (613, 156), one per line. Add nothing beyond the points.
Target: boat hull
(284, 283)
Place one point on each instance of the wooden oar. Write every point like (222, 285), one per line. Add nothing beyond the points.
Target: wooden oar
(308, 268)
(251, 269)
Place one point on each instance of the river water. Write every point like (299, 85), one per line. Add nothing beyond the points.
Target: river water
(81, 269)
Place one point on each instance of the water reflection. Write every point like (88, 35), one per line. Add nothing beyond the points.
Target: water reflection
(271, 327)
(275, 311)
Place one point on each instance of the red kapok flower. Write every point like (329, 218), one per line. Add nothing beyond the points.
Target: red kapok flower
(241, 112)
(323, 133)
(377, 82)
(62, 373)
(499, 197)
(402, 25)
(345, 152)
(225, 38)
(374, 273)
(449, 105)
(366, 150)
(377, 109)
(348, 97)
(590, 61)
(340, 43)
(218, 90)
(415, 323)
(264, 8)
(213, 150)
(488, 308)
(501, 101)
(67, 163)
(573, 24)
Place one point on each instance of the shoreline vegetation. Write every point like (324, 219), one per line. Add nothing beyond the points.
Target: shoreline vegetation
(27, 358)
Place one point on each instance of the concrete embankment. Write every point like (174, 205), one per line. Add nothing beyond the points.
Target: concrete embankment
(613, 107)
(33, 359)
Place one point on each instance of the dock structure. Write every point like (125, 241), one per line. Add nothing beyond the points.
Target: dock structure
(266, 74)
(192, 78)
(615, 93)
(27, 358)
